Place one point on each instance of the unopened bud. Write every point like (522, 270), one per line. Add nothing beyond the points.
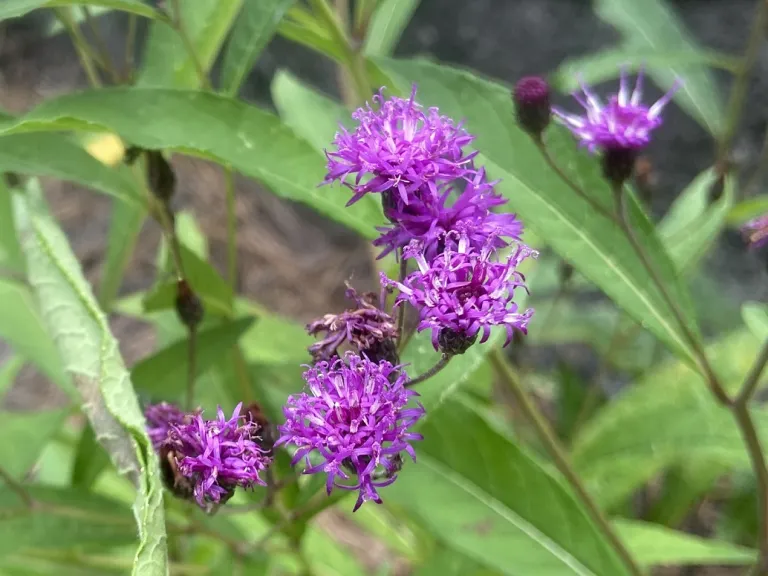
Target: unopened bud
(454, 343)
(618, 164)
(188, 306)
(160, 176)
(532, 107)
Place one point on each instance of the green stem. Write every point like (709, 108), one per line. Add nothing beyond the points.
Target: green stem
(560, 458)
(130, 47)
(753, 378)
(439, 365)
(229, 184)
(191, 367)
(101, 46)
(178, 25)
(16, 487)
(82, 47)
(403, 270)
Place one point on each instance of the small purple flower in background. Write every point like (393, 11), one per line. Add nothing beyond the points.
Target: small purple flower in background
(366, 327)
(532, 108)
(432, 220)
(463, 292)
(354, 417)
(624, 122)
(756, 231)
(399, 148)
(160, 417)
(218, 455)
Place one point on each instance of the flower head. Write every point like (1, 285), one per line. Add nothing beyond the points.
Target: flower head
(624, 122)
(160, 417)
(365, 327)
(354, 417)
(399, 147)
(756, 231)
(218, 455)
(465, 291)
(531, 98)
(431, 220)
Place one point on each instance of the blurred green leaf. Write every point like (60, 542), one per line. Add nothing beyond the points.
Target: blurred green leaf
(91, 357)
(488, 499)
(168, 62)
(387, 25)
(447, 562)
(252, 141)
(164, 374)
(24, 435)
(593, 245)
(326, 556)
(653, 25)
(8, 372)
(16, 8)
(384, 526)
(658, 546)
(90, 460)
(577, 401)
(684, 486)
(668, 417)
(126, 221)
(748, 209)
(64, 518)
(273, 339)
(692, 223)
(607, 64)
(737, 521)
(253, 30)
(11, 258)
(300, 26)
(755, 316)
(58, 156)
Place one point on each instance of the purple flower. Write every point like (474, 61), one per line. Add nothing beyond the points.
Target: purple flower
(465, 291)
(218, 455)
(531, 98)
(399, 147)
(354, 418)
(756, 231)
(431, 219)
(624, 122)
(365, 327)
(160, 418)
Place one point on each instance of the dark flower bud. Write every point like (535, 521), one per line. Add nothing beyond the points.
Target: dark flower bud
(173, 480)
(389, 205)
(618, 164)
(383, 350)
(160, 176)
(132, 154)
(188, 306)
(531, 97)
(453, 343)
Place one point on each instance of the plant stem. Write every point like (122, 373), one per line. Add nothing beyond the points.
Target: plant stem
(401, 309)
(101, 46)
(178, 25)
(753, 378)
(191, 367)
(229, 185)
(741, 83)
(560, 458)
(623, 218)
(16, 487)
(130, 47)
(82, 47)
(442, 363)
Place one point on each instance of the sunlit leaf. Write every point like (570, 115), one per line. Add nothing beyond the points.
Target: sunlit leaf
(387, 25)
(16, 8)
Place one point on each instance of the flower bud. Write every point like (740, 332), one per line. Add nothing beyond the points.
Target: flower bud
(160, 176)
(618, 164)
(173, 480)
(453, 343)
(531, 97)
(188, 306)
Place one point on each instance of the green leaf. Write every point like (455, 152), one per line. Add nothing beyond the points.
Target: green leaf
(125, 224)
(607, 64)
(58, 156)
(25, 435)
(164, 374)
(168, 62)
(91, 357)
(313, 116)
(273, 339)
(11, 258)
(748, 209)
(8, 372)
(755, 316)
(16, 8)
(668, 417)
(652, 25)
(684, 486)
(692, 224)
(252, 32)
(300, 26)
(654, 545)
(252, 141)
(64, 518)
(593, 245)
(90, 460)
(447, 562)
(387, 25)
(506, 511)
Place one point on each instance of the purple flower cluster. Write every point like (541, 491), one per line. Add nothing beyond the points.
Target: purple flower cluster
(213, 456)
(354, 418)
(756, 231)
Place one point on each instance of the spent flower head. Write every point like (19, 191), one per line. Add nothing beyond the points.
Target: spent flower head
(398, 146)
(465, 292)
(160, 417)
(354, 417)
(365, 327)
(218, 455)
(624, 122)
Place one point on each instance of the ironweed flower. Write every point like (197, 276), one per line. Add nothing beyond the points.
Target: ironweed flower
(400, 148)
(366, 328)
(756, 231)
(531, 98)
(160, 417)
(356, 420)
(431, 220)
(218, 455)
(623, 123)
(465, 291)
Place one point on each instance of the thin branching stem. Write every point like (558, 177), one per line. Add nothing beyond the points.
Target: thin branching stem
(83, 49)
(101, 46)
(130, 48)
(229, 186)
(560, 457)
(16, 486)
(439, 365)
(177, 22)
(753, 378)
(191, 367)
